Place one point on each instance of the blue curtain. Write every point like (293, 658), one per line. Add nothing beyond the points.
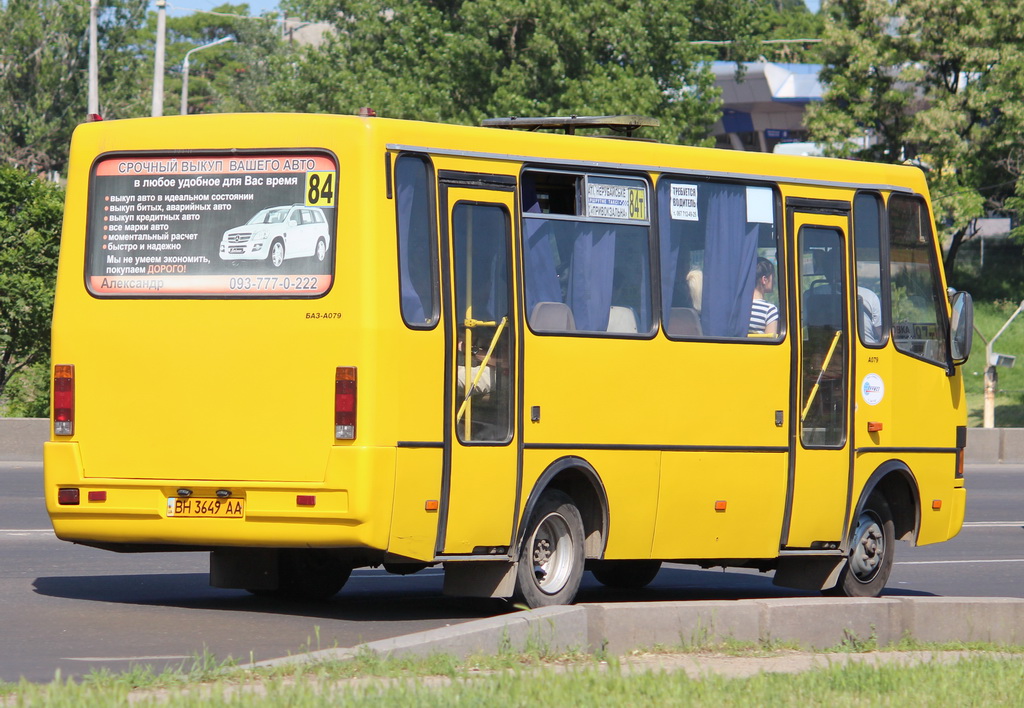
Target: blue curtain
(591, 276)
(729, 260)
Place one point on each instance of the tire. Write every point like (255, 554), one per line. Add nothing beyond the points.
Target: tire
(872, 548)
(321, 250)
(551, 558)
(625, 575)
(276, 255)
(311, 574)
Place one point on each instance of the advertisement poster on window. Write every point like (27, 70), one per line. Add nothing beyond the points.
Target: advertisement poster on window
(238, 225)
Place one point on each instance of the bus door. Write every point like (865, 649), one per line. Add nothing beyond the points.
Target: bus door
(819, 475)
(479, 482)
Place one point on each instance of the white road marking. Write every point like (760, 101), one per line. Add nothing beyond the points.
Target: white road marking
(992, 524)
(959, 562)
(26, 532)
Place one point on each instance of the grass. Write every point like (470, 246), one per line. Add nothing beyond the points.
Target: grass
(988, 678)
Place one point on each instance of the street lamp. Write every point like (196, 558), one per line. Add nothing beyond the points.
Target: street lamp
(93, 109)
(184, 70)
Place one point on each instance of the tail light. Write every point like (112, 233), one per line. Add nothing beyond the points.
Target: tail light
(345, 403)
(64, 399)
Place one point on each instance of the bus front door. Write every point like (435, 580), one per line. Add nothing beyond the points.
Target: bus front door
(481, 443)
(820, 477)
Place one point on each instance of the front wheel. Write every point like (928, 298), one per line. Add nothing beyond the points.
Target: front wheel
(551, 558)
(872, 548)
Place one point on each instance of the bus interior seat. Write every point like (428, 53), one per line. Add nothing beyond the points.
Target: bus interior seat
(683, 322)
(622, 319)
(823, 310)
(552, 317)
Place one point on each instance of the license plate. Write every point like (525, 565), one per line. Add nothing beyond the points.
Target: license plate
(192, 507)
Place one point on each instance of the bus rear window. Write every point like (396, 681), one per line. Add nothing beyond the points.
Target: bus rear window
(214, 225)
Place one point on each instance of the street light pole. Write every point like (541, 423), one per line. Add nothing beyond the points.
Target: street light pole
(184, 70)
(93, 108)
(158, 58)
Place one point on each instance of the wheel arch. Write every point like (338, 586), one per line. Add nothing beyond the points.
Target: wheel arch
(579, 480)
(896, 483)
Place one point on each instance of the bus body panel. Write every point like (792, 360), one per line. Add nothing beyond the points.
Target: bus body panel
(720, 505)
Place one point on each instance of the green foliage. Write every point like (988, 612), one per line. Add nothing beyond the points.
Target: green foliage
(43, 50)
(231, 77)
(464, 61)
(44, 56)
(30, 217)
(935, 82)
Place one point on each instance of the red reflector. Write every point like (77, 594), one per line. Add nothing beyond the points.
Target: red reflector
(345, 403)
(431, 505)
(305, 500)
(97, 496)
(68, 497)
(64, 399)
(720, 505)
(937, 504)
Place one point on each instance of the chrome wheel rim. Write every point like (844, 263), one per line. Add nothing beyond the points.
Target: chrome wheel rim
(552, 554)
(868, 548)
(277, 254)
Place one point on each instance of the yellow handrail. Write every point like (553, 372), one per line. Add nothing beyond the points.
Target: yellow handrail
(483, 363)
(824, 368)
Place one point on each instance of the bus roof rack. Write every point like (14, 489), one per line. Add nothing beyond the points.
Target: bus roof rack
(620, 124)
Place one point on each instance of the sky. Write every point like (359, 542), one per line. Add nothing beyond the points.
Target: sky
(177, 8)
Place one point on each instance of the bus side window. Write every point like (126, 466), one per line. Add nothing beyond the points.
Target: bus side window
(918, 313)
(417, 260)
(872, 317)
(586, 265)
(712, 236)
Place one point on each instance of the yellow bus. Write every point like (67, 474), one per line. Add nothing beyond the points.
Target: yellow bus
(312, 343)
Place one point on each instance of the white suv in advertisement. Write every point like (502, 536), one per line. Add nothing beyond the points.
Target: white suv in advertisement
(278, 233)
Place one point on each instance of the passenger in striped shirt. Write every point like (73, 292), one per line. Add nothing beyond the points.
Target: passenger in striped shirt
(764, 316)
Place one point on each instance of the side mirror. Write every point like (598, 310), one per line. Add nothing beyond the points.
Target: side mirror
(961, 327)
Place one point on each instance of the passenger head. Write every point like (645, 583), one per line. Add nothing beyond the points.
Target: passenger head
(764, 276)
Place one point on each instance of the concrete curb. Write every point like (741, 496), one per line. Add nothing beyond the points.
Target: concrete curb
(811, 623)
(21, 439)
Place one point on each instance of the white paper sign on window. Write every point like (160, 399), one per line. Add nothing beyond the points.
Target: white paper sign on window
(683, 202)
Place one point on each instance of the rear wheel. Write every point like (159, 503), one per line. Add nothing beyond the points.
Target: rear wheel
(551, 558)
(624, 574)
(871, 552)
(321, 250)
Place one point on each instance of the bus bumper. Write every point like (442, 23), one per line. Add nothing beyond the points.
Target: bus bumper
(350, 509)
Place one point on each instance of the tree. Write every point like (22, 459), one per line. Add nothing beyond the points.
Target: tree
(44, 55)
(936, 83)
(228, 78)
(455, 61)
(30, 219)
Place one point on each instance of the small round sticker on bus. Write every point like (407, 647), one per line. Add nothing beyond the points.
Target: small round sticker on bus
(872, 389)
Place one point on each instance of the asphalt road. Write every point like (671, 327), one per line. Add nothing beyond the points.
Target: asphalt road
(74, 609)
